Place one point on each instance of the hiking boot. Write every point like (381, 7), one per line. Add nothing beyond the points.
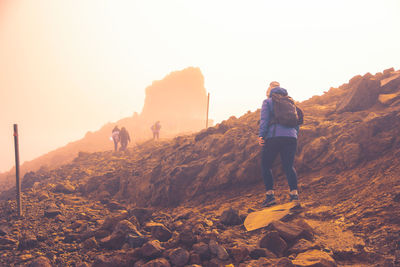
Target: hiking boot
(294, 197)
(269, 201)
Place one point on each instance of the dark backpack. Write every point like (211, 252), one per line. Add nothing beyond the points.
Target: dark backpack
(285, 111)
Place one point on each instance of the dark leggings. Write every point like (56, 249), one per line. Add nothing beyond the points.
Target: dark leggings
(286, 147)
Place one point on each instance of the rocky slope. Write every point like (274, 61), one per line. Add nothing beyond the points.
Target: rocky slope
(170, 203)
(178, 101)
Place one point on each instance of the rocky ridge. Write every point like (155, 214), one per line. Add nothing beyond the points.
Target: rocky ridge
(162, 204)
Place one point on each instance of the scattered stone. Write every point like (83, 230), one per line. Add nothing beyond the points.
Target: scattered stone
(159, 231)
(141, 214)
(111, 221)
(179, 257)
(301, 246)
(261, 262)
(230, 217)
(65, 187)
(113, 205)
(113, 241)
(3, 231)
(273, 242)
(42, 195)
(52, 212)
(202, 250)
(135, 241)
(40, 262)
(7, 243)
(28, 241)
(314, 258)
(187, 238)
(218, 250)
(238, 254)
(125, 227)
(284, 262)
(289, 232)
(257, 253)
(151, 249)
(90, 243)
(161, 262)
(107, 261)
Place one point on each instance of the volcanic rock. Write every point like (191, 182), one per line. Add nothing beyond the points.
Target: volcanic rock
(40, 262)
(7, 243)
(203, 250)
(273, 242)
(179, 257)
(302, 245)
(151, 249)
(284, 262)
(218, 250)
(161, 262)
(65, 187)
(289, 232)
(230, 217)
(136, 241)
(159, 231)
(363, 95)
(314, 258)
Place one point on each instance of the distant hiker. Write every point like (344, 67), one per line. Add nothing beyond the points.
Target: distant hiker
(279, 126)
(125, 138)
(155, 128)
(115, 137)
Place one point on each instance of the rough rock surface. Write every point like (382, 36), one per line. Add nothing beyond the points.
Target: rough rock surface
(348, 164)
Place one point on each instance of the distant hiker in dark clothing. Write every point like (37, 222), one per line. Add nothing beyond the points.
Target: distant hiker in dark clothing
(279, 126)
(155, 128)
(125, 138)
(115, 137)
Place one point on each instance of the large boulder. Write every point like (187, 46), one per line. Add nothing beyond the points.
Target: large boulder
(362, 96)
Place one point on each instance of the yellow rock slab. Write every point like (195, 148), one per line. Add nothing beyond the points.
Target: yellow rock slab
(262, 218)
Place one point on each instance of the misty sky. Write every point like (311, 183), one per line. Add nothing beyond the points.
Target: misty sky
(67, 67)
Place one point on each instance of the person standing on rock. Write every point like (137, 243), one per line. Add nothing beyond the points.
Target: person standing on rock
(125, 138)
(115, 137)
(155, 128)
(279, 126)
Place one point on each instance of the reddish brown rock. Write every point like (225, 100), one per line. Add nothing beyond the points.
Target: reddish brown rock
(90, 243)
(301, 246)
(202, 250)
(113, 241)
(159, 231)
(218, 250)
(230, 217)
(289, 232)
(273, 242)
(238, 254)
(284, 262)
(157, 263)
(314, 258)
(40, 262)
(151, 249)
(179, 257)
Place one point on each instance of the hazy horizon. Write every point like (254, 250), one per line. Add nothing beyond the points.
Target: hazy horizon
(69, 67)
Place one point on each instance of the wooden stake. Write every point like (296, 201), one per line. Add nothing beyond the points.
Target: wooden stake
(18, 181)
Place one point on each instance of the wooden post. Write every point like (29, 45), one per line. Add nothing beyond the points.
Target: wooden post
(208, 105)
(18, 181)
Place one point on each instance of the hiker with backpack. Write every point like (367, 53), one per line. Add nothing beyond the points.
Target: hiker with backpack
(115, 137)
(125, 138)
(279, 126)
(155, 128)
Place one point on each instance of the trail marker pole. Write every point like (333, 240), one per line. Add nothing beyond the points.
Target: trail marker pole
(208, 105)
(18, 181)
